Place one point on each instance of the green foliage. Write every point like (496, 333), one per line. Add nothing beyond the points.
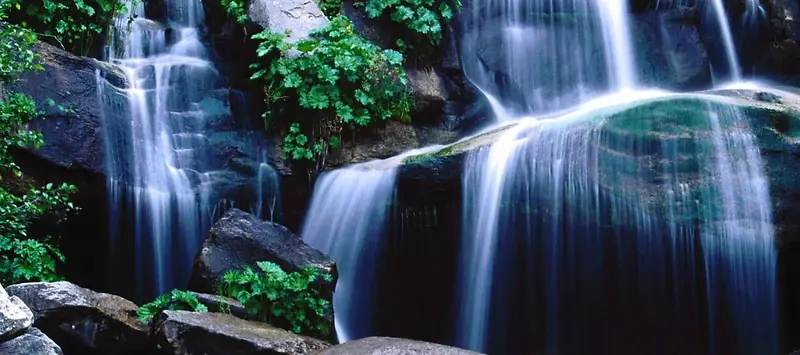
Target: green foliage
(236, 9)
(76, 25)
(282, 299)
(176, 300)
(331, 8)
(422, 17)
(23, 257)
(336, 80)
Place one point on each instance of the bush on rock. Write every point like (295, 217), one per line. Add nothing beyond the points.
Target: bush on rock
(332, 82)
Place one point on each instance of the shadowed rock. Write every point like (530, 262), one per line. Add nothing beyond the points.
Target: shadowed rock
(190, 333)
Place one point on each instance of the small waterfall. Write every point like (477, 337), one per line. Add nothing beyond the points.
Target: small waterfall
(346, 221)
(581, 49)
(158, 163)
(727, 37)
(614, 14)
(610, 230)
(268, 191)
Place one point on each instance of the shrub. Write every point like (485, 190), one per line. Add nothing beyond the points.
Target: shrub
(282, 299)
(236, 9)
(421, 17)
(331, 8)
(333, 81)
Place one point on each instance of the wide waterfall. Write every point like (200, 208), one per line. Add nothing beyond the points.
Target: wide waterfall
(158, 164)
(559, 238)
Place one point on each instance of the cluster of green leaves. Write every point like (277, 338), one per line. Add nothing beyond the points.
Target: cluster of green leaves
(423, 17)
(236, 9)
(23, 257)
(333, 80)
(77, 25)
(331, 8)
(176, 300)
(288, 300)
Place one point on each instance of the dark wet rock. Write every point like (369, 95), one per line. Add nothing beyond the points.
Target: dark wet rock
(392, 346)
(32, 342)
(671, 53)
(782, 52)
(238, 239)
(15, 316)
(190, 333)
(83, 321)
(73, 125)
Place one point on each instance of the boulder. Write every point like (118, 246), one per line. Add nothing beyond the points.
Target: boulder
(73, 125)
(15, 316)
(238, 239)
(392, 346)
(32, 342)
(670, 51)
(298, 17)
(83, 321)
(190, 333)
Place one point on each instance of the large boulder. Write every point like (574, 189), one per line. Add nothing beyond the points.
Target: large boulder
(238, 239)
(83, 321)
(392, 346)
(298, 17)
(32, 342)
(76, 103)
(190, 333)
(15, 316)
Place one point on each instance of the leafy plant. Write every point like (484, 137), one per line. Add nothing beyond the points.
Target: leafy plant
(290, 300)
(332, 81)
(236, 9)
(175, 300)
(23, 257)
(331, 8)
(76, 25)
(423, 17)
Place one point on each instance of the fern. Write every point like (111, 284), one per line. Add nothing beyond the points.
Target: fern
(176, 300)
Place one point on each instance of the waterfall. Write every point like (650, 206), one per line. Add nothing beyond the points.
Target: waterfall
(608, 216)
(727, 38)
(542, 56)
(346, 221)
(158, 164)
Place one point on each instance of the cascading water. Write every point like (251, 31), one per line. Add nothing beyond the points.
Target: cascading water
(158, 164)
(543, 56)
(346, 221)
(727, 37)
(612, 216)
